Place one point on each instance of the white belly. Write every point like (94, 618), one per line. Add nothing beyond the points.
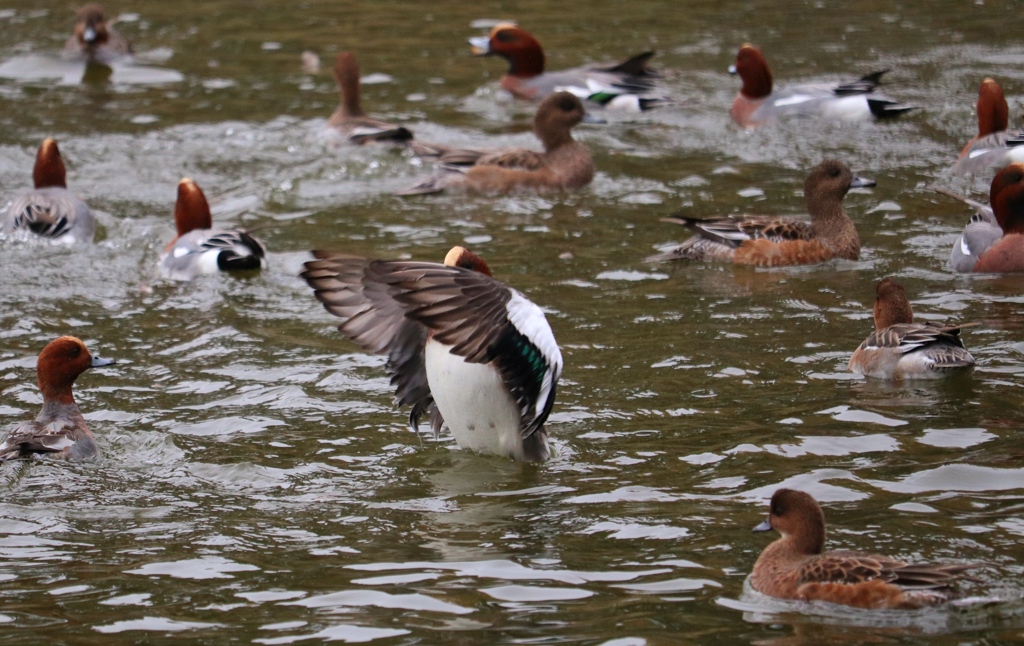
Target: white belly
(474, 403)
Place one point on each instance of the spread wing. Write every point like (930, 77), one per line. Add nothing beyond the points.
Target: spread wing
(350, 287)
(481, 318)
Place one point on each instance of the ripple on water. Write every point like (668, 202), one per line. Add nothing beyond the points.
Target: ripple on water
(209, 567)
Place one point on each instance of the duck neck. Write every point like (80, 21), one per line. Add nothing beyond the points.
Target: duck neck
(830, 224)
(553, 140)
(350, 104)
(527, 62)
(757, 82)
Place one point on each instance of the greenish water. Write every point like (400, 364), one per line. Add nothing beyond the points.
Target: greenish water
(258, 486)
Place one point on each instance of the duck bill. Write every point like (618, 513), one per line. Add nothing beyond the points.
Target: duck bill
(733, 70)
(481, 45)
(89, 36)
(862, 182)
(99, 362)
(764, 526)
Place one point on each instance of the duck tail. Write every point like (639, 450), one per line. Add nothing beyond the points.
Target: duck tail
(887, 108)
(635, 66)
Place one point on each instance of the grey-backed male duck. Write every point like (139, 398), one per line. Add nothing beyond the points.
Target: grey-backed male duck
(901, 349)
(51, 211)
(772, 241)
(1005, 252)
(994, 146)
(94, 38)
(628, 86)
(758, 102)
(199, 248)
(565, 164)
(59, 429)
(464, 349)
(351, 121)
(797, 567)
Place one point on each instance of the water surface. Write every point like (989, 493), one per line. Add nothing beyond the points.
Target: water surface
(258, 485)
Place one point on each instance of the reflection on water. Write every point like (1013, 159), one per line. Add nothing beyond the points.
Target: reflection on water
(256, 479)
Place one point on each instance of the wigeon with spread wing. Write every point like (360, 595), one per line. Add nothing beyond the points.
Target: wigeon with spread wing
(95, 39)
(995, 146)
(797, 567)
(51, 211)
(59, 428)
(199, 248)
(463, 349)
(565, 164)
(901, 349)
(772, 241)
(981, 232)
(759, 102)
(1006, 254)
(628, 86)
(350, 121)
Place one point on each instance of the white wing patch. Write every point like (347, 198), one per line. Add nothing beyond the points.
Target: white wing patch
(793, 100)
(530, 321)
(964, 249)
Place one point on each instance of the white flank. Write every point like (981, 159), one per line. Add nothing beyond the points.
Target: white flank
(624, 103)
(847, 107)
(476, 406)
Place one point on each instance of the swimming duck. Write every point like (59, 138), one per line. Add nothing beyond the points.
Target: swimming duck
(994, 146)
(95, 39)
(902, 349)
(565, 164)
(51, 210)
(464, 349)
(758, 103)
(796, 567)
(350, 120)
(1006, 254)
(199, 248)
(628, 86)
(59, 428)
(772, 241)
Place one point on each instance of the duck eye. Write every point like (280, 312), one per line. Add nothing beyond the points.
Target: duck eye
(566, 104)
(504, 36)
(833, 172)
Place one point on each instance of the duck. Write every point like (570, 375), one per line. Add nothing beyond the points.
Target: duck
(981, 232)
(629, 86)
(199, 248)
(995, 146)
(796, 566)
(565, 165)
(350, 121)
(1006, 197)
(463, 348)
(773, 241)
(901, 349)
(51, 211)
(59, 430)
(94, 39)
(758, 103)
